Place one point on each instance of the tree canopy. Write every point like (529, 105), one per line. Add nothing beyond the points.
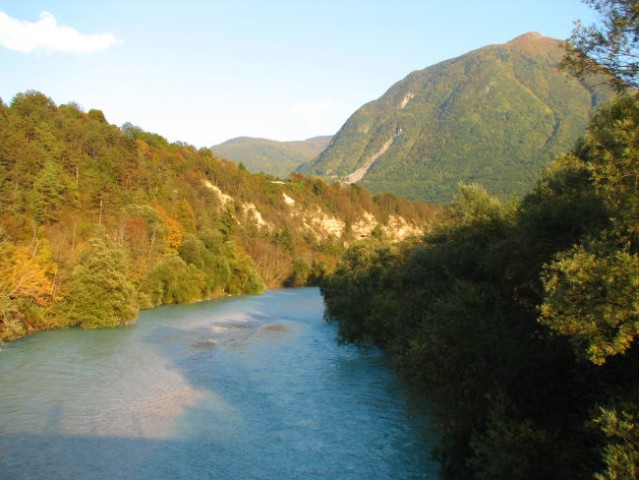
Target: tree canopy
(609, 47)
(519, 320)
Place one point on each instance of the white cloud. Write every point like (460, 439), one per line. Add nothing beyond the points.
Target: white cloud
(47, 36)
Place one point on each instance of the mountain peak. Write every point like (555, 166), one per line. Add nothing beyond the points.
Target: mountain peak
(494, 116)
(533, 40)
(527, 37)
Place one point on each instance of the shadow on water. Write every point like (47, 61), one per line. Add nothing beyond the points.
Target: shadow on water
(250, 388)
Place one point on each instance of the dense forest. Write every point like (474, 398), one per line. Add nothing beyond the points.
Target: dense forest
(98, 221)
(519, 319)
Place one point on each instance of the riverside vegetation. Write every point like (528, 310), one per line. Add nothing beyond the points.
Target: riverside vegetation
(520, 318)
(98, 221)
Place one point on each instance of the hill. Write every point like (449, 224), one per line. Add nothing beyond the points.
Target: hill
(494, 116)
(270, 156)
(98, 221)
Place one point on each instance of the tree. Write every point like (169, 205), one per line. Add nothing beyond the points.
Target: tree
(591, 289)
(610, 48)
(299, 275)
(52, 188)
(101, 293)
(611, 153)
(25, 287)
(171, 280)
(591, 296)
(621, 454)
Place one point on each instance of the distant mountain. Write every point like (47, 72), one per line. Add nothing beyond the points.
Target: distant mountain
(494, 116)
(270, 156)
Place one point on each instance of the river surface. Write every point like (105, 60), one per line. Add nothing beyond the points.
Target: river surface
(248, 388)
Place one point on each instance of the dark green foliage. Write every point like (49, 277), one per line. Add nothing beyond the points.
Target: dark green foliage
(52, 189)
(591, 288)
(621, 454)
(495, 116)
(171, 280)
(300, 274)
(244, 278)
(519, 320)
(101, 293)
(455, 313)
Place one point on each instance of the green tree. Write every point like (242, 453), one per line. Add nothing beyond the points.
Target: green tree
(610, 48)
(52, 189)
(610, 151)
(591, 289)
(299, 275)
(101, 294)
(244, 277)
(171, 280)
(458, 314)
(592, 297)
(621, 454)
(209, 259)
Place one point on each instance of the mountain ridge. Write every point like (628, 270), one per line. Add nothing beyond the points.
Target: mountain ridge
(495, 115)
(271, 156)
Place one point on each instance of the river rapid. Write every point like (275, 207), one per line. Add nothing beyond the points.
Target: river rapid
(253, 388)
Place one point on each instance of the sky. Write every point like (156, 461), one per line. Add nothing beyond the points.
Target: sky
(203, 72)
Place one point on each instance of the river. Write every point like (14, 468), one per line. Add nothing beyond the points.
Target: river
(245, 388)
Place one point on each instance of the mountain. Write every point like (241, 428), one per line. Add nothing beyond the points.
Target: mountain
(98, 221)
(270, 156)
(494, 116)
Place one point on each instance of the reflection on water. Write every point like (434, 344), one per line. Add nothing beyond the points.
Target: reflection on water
(244, 388)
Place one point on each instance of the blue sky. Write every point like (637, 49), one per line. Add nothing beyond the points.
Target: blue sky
(206, 71)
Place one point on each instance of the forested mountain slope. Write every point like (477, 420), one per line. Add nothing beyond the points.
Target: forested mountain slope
(495, 116)
(97, 221)
(270, 156)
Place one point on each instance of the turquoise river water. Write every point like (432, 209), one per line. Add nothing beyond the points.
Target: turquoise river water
(247, 388)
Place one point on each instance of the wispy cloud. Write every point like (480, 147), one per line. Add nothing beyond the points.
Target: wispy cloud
(47, 36)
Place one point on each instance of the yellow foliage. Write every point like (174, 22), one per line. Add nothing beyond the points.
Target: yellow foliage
(173, 230)
(144, 147)
(24, 279)
(174, 236)
(24, 276)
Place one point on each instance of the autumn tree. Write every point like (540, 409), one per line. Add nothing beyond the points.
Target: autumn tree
(26, 288)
